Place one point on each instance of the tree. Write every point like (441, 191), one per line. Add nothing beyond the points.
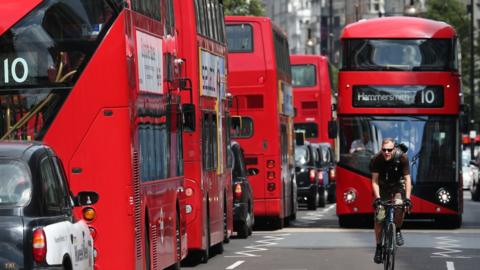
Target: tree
(244, 7)
(455, 13)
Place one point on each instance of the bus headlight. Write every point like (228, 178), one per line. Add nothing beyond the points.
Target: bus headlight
(443, 196)
(349, 196)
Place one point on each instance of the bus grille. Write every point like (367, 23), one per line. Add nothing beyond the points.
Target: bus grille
(154, 245)
(136, 201)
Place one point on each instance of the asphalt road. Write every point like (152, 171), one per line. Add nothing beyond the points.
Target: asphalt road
(314, 241)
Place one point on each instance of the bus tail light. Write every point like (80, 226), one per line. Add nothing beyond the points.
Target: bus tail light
(270, 164)
(271, 187)
(349, 196)
(238, 192)
(39, 245)
(311, 175)
(89, 214)
(270, 175)
(189, 192)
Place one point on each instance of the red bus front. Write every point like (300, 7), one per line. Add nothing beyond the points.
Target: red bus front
(87, 78)
(400, 81)
(260, 82)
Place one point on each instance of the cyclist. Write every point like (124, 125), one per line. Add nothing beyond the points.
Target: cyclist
(390, 180)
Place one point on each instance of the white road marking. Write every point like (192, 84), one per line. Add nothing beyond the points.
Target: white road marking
(448, 248)
(269, 240)
(450, 266)
(237, 263)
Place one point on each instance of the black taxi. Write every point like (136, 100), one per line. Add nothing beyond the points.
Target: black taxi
(37, 226)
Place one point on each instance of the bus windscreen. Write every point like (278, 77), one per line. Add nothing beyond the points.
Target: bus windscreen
(431, 144)
(398, 55)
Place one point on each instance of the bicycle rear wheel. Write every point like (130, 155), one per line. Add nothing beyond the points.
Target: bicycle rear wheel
(389, 248)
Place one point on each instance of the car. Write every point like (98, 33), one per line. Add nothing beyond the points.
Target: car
(327, 165)
(306, 160)
(475, 184)
(469, 171)
(38, 229)
(243, 216)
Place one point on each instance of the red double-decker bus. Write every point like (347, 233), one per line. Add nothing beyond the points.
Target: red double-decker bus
(312, 95)
(400, 79)
(208, 180)
(96, 80)
(315, 109)
(260, 82)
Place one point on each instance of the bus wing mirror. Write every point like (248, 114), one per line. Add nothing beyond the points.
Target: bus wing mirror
(86, 198)
(188, 111)
(332, 129)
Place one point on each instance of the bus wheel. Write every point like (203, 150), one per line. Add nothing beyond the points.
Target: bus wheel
(206, 252)
(277, 223)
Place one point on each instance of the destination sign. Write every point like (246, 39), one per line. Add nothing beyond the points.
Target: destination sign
(398, 96)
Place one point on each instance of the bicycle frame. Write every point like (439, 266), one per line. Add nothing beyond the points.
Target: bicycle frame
(389, 244)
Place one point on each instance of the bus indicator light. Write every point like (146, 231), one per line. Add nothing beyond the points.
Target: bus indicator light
(270, 164)
(188, 192)
(270, 175)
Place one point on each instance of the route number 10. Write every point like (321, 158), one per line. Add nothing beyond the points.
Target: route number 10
(10, 70)
(428, 97)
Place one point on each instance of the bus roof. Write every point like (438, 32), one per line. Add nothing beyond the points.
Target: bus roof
(261, 20)
(307, 58)
(12, 12)
(398, 27)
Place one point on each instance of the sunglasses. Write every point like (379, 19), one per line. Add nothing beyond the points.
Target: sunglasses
(387, 150)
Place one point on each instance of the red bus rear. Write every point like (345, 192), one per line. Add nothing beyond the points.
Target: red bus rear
(208, 180)
(90, 79)
(312, 95)
(260, 82)
(400, 79)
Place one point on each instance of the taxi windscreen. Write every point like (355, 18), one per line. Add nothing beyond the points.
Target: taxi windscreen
(15, 184)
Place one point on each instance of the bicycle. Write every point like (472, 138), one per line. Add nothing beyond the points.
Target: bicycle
(389, 244)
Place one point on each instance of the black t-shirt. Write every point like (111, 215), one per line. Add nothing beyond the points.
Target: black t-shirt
(390, 172)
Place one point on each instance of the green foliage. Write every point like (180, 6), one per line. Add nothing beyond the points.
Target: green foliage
(454, 12)
(244, 7)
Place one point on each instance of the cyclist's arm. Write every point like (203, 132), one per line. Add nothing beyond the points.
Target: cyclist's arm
(375, 186)
(408, 186)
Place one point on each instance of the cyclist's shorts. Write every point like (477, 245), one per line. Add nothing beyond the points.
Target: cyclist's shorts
(380, 212)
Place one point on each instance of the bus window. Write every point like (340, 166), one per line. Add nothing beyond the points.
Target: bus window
(304, 75)
(239, 38)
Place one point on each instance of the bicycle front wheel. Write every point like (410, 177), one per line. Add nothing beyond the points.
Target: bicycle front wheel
(389, 247)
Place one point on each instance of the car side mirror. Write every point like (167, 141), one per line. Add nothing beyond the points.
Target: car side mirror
(84, 198)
